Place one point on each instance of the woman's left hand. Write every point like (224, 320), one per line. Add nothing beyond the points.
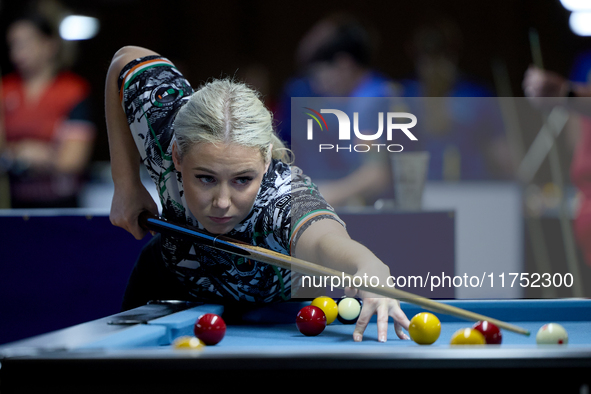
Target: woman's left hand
(327, 243)
(384, 308)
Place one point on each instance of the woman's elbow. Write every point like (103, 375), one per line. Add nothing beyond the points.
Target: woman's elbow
(128, 53)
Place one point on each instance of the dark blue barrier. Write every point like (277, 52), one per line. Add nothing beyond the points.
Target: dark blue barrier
(60, 270)
(415, 245)
(65, 267)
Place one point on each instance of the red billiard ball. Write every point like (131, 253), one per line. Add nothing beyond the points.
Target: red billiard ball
(491, 332)
(210, 328)
(311, 320)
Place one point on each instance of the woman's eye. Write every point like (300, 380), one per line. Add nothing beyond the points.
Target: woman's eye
(243, 180)
(205, 178)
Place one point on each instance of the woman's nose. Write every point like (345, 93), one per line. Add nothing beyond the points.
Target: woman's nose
(221, 198)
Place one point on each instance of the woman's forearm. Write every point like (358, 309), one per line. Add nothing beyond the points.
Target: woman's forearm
(327, 243)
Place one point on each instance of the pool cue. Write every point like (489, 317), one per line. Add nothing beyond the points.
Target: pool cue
(543, 144)
(535, 47)
(544, 141)
(154, 223)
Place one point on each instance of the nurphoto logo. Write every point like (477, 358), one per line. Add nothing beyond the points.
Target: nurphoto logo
(344, 132)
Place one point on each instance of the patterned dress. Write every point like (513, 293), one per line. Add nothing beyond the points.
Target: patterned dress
(152, 91)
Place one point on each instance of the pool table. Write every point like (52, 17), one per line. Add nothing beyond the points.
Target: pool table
(262, 349)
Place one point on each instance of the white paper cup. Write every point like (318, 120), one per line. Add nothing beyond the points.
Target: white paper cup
(409, 170)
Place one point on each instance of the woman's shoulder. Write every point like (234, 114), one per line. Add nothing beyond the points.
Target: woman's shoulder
(298, 176)
(12, 79)
(69, 83)
(284, 182)
(11, 84)
(277, 179)
(282, 173)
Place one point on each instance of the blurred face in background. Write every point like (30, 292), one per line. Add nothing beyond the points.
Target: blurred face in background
(439, 72)
(336, 78)
(327, 79)
(30, 50)
(435, 50)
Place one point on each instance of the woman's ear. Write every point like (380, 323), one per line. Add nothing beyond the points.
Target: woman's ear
(176, 157)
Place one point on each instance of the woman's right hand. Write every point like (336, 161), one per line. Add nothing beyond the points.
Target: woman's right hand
(128, 202)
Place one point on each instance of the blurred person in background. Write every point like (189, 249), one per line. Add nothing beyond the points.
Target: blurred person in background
(335, 59)
(539, 83)
(49, 135)
(465, 138)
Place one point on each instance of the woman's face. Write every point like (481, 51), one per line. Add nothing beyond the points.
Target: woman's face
(30, 50)
(221, 182)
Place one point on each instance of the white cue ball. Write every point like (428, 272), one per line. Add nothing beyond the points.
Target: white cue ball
(552, 334)
(349, 308)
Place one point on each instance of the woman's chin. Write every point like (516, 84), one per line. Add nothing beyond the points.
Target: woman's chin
(218, 229)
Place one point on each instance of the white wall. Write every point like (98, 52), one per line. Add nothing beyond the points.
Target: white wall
(489, 233)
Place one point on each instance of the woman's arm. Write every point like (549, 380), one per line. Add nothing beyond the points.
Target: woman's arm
(327, 243)
(70, 155)
(130, 197)
(542, 85)
(367, 181)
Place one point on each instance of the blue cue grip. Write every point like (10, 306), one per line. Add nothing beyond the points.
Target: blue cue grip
(153, 222)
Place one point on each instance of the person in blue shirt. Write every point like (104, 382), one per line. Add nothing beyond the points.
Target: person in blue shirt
(464, 137)
(335, 59)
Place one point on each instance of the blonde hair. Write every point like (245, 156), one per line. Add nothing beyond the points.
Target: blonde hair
(225, 111)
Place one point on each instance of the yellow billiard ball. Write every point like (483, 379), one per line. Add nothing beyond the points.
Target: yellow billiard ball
(424, 328)
(188, 342)
(467, 336)
(328, 306)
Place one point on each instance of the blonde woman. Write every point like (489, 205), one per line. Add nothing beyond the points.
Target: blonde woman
(218, 165)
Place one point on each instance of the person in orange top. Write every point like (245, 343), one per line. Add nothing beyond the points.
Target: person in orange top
(48, 130)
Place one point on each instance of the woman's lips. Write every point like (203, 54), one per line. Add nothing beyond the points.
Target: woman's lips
(222, 220)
